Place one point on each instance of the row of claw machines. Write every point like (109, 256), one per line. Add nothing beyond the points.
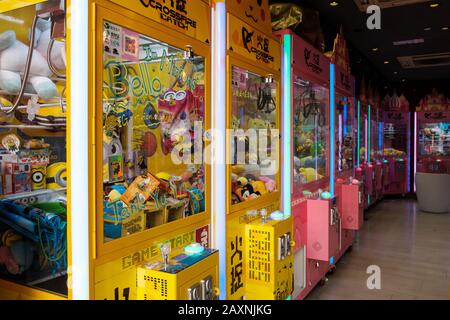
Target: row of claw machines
(160, 149)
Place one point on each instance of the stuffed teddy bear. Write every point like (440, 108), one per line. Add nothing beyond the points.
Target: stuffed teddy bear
(41, 41)
(13, 57)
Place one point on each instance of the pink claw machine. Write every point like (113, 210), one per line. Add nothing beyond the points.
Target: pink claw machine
(306, 94)
(396, 143)
(376, 146)
(348, 189)
(432, 121)
(363, 170)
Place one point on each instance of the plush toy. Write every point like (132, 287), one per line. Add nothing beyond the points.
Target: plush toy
(13, 57)
(246, 190)
(35, 144)
(297, 163)
(271, 185)
(238, 169)
(259, 187)
(310, 174)
(42, 40)
(253, 169)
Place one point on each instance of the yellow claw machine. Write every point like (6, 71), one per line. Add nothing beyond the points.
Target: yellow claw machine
(258, 241)
(34, 130)
(137, 103)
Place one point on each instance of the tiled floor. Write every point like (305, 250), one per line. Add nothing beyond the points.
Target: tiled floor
(412, 249)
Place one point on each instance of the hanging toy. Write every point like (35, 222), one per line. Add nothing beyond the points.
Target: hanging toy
(11, 143)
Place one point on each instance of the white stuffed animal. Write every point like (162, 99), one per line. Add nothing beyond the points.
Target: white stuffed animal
(41, 41)
(13, 57)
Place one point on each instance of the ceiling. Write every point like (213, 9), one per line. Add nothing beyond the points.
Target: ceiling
(400, 23)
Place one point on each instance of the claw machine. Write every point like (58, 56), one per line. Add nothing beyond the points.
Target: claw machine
(152, 209)
(259, 235)
(306, 122)
(396, 143)
(376, 146)
(363, 168)
(432, 140)
(139, 80)
(348, 189)
(34, 151)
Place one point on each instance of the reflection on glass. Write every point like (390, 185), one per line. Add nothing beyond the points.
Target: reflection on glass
(310, 132)
(33, 203)
(395, 139)
(362, 136)
(344, 134)
(434, 139)
(153, 121)
(254, 136)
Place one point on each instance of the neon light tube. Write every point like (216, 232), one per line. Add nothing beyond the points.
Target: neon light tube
(358, 152)
(332, 133)
(79, 142)
(409, 153)
(286, 126)
(218, 121)
(380, 136)
(368, 134)
(345, 123)
(415, 149)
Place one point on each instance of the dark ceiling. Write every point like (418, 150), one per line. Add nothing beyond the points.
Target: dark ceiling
(397, 24)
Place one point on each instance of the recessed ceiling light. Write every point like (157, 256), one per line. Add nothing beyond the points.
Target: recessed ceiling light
(386, 62)
(427, 29)
(444, 28)
(375, 49)
(395, 72)
(334, 3)
(403, 80)
(434, 5)
(411, 41)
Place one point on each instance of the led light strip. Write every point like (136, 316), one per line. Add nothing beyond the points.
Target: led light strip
(332, 133)
(286, 125)
(79, 142)
(218, 120)
(358, 151)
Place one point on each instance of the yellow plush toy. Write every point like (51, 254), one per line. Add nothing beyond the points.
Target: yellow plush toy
(310, 174)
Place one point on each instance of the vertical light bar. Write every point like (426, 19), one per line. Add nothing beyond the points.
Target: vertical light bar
(358, 151)
(340, 142)
(380, 136)
(332, 133)
(345, 123)
(286, 125)
(218, 121)
(415, 149)
(409, 153)
(79, 143)
(368, 135)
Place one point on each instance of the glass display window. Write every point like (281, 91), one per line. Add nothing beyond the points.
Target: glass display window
(363, 135)
(310, 125)
(153, 125)
(344, 134)
(254, 136)
(395, 139)
(434, 139)
(33, 155)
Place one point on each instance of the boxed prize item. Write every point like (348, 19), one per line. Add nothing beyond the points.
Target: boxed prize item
(143, 186)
